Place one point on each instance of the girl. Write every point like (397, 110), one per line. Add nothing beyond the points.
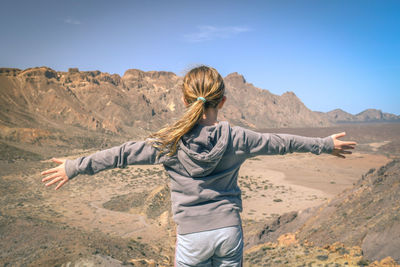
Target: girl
(202, 157)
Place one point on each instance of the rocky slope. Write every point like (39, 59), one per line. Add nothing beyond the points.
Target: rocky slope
(288, 251)
(37, 103)
(257, 108)
(367, 216)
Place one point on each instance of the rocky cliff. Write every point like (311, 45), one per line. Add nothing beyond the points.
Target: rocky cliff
(367, 216)
(254, 107)
(36, 102)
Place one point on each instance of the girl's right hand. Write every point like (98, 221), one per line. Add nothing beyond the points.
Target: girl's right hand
(57, 174)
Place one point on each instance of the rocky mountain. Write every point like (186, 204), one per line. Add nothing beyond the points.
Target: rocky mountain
(339, 115)
(91, 100)
(43, 105)
(368, 115)
(367, 216)
(257, 108)
(37, 102)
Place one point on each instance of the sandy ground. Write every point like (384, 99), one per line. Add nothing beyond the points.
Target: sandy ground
(81, 203)
(273, 185)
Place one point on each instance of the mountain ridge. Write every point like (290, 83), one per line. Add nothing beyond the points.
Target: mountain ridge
(368, 115)
(137, 103)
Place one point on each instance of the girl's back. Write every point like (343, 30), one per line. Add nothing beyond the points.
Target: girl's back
(204, 171)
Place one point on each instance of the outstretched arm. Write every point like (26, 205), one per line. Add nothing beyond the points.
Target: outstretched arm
(116, 157)
(250, 144)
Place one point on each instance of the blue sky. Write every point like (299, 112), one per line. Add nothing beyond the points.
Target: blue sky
(331, 54)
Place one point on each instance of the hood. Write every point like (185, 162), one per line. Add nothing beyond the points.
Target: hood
(201, 149)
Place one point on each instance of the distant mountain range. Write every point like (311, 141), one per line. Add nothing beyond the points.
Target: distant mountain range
(368, 115)
(38, 101)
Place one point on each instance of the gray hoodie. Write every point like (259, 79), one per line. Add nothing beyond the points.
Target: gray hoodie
(204, 191)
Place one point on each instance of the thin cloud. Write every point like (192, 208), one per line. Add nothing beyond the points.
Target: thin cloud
(72, 21)
(208, 33)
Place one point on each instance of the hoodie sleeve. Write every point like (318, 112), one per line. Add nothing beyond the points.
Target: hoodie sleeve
(252, 143)
(128, 153)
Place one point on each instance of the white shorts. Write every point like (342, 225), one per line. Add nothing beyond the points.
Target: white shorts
(219, 247)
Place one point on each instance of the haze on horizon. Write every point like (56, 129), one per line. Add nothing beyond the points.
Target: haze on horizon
(331, 54)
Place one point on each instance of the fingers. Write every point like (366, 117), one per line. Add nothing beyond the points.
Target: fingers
(55, 180)
(337, 154)
(338, 135)
(349, 143)
(58, 160)
(61, 184)
(53, 170)
(347, 147)
(51, 177)
(340, 153)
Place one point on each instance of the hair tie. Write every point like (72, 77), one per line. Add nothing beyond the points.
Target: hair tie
(202, 99)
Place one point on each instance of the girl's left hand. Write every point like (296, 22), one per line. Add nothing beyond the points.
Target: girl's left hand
(57, 174)
(341, 147)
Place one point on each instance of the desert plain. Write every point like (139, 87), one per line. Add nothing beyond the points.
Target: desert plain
(122, 216)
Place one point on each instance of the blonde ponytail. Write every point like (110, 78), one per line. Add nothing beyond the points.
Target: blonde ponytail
(203, 87)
